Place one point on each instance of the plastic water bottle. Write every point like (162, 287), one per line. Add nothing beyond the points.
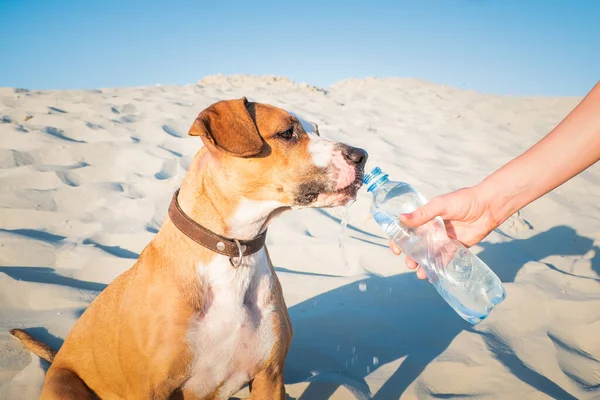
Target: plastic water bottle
(460, 277)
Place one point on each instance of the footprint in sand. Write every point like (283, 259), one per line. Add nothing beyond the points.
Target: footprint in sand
(69, 178)
(129, 190)
(124, 109)
(14, 158)
(51, 167)
(172, 131)
(168, 170)
(128, 110)
(55, 110)
(514, 226)
(21, 128)
(94, 126)
(66, 173)
(128, 119)
(154, 225)
(59, 133)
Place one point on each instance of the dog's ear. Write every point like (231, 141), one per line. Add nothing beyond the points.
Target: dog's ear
(227, 126)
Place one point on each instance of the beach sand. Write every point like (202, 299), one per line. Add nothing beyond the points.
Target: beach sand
(87, 175)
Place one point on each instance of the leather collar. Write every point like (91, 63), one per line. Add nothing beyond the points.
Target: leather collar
(233, 248)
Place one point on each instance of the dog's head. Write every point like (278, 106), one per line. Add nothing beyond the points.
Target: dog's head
(266, 153)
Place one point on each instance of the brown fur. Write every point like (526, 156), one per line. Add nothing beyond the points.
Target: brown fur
(40, 349)
(131, 341)
(228, 126)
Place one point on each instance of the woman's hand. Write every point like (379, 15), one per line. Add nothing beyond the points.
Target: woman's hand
(467, 215)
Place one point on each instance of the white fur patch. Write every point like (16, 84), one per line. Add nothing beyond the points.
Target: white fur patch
(235, 334)
(249, 217)
(321, 151)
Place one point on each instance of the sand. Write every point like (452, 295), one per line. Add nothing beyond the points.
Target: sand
(87, 175)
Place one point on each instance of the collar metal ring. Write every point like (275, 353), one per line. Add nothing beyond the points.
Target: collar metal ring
(238, 262)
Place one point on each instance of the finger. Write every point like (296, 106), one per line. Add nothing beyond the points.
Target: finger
(394, 248)
(410, 263)
(421, 273)
(425, 213)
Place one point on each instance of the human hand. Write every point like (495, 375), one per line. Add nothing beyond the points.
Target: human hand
(467, 214)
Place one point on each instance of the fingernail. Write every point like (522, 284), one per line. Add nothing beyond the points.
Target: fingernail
(406, 216)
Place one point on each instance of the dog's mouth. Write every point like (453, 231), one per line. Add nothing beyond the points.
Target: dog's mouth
(352, 188)
(320, 195)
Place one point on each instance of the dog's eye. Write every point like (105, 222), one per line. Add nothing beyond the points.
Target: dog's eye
(287, 135)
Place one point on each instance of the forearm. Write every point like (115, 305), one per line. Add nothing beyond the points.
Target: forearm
(571, 147)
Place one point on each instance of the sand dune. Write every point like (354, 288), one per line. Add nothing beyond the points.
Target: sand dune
(87, 175)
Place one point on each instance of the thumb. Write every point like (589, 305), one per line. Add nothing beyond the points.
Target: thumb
(425, 213)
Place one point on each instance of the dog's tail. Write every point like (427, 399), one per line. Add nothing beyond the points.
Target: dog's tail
(38, 348)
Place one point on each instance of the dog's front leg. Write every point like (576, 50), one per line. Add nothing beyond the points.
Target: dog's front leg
(267, 385)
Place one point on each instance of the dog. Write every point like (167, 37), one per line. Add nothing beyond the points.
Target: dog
(201, 313)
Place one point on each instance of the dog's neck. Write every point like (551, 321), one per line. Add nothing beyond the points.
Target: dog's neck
(219, 208)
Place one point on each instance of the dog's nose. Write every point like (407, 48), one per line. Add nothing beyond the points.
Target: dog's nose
(354, 155)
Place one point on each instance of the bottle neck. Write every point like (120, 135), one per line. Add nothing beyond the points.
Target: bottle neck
(377, 183)
(375, 179)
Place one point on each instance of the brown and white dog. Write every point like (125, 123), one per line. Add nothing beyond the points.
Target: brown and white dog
(186, 322)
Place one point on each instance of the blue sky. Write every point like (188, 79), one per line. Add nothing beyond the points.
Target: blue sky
(525, 47)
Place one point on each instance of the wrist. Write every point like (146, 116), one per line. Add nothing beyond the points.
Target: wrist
(502, 200)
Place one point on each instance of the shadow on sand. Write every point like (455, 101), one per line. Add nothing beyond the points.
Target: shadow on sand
(403, 314)
(407, 318)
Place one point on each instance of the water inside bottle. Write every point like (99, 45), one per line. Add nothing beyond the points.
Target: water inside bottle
(461, 278)
(462, 272)
(466, 275)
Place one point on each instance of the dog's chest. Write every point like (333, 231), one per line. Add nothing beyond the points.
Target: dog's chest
(234, 334)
